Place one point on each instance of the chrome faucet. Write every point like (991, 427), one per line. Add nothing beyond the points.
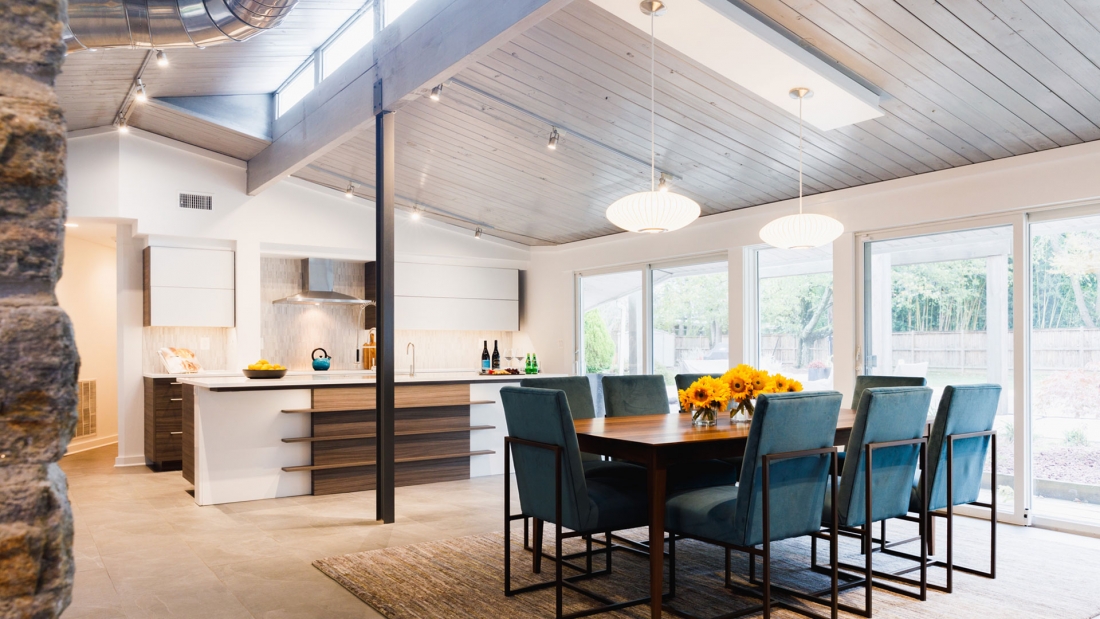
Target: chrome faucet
(412, 368)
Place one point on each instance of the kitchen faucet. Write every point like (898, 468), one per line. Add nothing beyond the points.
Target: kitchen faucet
(412, 368)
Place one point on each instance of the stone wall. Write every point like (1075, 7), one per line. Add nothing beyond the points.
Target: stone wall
(38, 358)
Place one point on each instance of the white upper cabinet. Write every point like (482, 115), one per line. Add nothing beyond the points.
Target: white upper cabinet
(189, 287)
(456, 298)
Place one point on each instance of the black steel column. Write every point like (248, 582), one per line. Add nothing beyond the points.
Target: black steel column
(383, 230)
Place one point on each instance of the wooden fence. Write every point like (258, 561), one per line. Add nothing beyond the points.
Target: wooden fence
(1052, 349)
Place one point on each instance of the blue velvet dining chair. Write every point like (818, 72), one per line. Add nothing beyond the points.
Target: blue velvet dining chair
(789, 455)
(683, 381)
(645, 394)
(865, 382)
(962, 435)
(553, 488)
(885, 447)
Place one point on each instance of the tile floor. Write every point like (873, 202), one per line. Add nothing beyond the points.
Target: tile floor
(144, 549)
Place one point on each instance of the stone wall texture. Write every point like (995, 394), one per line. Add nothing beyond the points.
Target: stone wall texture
(38, 357)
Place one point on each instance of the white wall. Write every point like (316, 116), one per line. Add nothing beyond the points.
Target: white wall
(86, 292)
(134, 179)
(1057, 177)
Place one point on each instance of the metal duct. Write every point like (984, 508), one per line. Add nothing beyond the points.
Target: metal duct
(163, 24)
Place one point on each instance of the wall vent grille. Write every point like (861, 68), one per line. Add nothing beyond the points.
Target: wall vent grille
(197, 201)
(86, 410)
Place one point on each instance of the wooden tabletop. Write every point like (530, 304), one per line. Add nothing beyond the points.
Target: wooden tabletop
(676, 429)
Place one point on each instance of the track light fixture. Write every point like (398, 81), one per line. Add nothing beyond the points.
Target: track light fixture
(436, 92)
(162, 58)
(477, 233)
(415, 216)
(121, 124)
(662, 186)
(553, 143)
(349, 193)
(141, 96)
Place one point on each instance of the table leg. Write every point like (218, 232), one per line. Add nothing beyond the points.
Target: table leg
(657, 475)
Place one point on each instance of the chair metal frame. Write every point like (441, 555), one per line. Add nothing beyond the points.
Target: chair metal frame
(865, 535)
(559, 582)
(765, 595)
(949, 515)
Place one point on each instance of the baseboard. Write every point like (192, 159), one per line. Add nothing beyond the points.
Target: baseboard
(130, 461)
(78, 446)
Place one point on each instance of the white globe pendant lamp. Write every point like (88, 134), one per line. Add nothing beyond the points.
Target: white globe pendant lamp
(804, 230)
(656, 210)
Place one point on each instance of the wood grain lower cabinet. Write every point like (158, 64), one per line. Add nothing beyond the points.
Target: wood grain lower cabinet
(163, 422)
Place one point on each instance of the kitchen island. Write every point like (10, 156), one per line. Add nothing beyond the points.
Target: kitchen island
(248, 439)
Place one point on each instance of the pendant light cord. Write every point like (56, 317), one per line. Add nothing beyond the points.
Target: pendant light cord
(800, 97)
(652, 113)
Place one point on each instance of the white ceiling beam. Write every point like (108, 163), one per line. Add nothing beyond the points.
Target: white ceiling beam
(428, 44)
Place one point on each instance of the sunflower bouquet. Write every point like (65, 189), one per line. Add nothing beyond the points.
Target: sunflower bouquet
(746, 383)
(704, 398)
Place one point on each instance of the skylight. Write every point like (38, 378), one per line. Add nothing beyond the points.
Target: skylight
(296, 89)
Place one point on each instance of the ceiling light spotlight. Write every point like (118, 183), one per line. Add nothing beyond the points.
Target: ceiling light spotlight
(349, 193)
(662, 186)
(436, 92)
(141, 95)
(121, 124)
(477, 233)
(415, 214)
(71, 224)
(553, 143)
(162, 58)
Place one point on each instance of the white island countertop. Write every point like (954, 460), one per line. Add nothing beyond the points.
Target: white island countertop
(342, 379)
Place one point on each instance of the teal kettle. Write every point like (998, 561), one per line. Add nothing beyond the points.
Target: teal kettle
(323, 362)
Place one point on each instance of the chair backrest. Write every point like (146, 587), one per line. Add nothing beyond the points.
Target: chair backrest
(642, 394)
(963, 409)
(578, 392)
(786, 422)
(683, 381)
(542, 416)
(885, 414)
(863, 383)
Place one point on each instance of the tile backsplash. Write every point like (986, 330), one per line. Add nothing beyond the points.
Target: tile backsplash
(291, 332)
(222, 346)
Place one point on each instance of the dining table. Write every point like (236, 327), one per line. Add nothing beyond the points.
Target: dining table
(658, 442)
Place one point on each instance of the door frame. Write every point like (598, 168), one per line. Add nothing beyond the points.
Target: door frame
(1021, 370)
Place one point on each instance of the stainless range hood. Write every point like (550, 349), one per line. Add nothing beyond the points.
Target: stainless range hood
(318, 276)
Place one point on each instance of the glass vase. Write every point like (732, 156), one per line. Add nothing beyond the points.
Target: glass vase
(704, 417)
(743, 411)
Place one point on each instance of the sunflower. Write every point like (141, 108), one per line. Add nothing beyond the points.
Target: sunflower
(780, 383)
(760, 381)
(794, 386)
(685, 401)
(708, 392)
(739, 386)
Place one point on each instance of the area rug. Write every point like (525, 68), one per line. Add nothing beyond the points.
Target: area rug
(463, 577)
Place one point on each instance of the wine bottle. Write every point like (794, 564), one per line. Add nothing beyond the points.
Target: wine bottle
(496, 356)
(485, 361)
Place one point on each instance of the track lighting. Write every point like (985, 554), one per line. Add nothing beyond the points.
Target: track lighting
(162, 58)
(553, 143)
(436, 92)
(349, 193)
(415, 214)
(121, 124)
(662, 186)
(141, 96)
(477, 233)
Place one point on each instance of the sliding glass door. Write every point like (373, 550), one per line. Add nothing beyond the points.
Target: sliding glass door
(1065, 370)
(938, 306)
(611, 328)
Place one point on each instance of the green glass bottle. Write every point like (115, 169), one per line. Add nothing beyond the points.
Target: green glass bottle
(527, 365)
(534, 363)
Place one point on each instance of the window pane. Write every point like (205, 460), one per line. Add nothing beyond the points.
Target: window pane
(939, 308)
(1065, 369)
(351, 40)
(611, 328)
(296, 90)
(795, 297)
(394, 8)
(691, 332)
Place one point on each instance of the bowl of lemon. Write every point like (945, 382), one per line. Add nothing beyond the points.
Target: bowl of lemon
(265, 369)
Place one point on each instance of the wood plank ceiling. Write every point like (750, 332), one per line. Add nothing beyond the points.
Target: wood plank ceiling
(962, 82)
(92, 85)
